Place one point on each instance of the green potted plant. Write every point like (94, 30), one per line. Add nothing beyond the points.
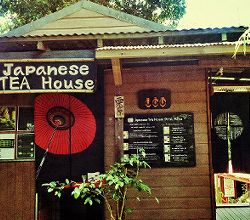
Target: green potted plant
(111, 187)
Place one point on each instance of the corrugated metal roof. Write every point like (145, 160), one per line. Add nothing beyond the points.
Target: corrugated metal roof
(214, 28)
(168, 50)
(121, 32)
(84, 18)
(166, 46)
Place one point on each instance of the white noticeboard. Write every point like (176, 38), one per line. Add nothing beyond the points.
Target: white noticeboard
(7, 150)
(7, 153)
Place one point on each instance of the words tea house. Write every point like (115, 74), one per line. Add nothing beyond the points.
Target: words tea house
(52, 76)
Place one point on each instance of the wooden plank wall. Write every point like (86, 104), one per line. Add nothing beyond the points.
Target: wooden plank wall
(184, 193)
(17, 179)
(17, 191)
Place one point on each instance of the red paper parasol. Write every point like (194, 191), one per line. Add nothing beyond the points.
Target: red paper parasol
(63, 124)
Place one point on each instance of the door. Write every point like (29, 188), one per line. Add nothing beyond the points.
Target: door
(230, 146)
(69, 144)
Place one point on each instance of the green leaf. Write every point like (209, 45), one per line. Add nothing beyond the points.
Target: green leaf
(59, 194)
(97, 200)
(128, 210)
(50, 190)
(117, 186)
(143, 153)
(52, 184)
(76, 193)
(45, 184)
(88, 200)
(98, 191)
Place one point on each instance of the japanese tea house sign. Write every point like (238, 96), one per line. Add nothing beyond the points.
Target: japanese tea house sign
(36, 77)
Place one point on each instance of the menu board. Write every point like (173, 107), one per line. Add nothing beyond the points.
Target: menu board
(25, 146)
(167, 138)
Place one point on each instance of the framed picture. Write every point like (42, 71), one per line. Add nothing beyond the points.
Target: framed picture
(26, 119)
(7, 118)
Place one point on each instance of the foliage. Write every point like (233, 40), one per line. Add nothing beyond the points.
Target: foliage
(111, 187)
(25, 11)
(244, 198)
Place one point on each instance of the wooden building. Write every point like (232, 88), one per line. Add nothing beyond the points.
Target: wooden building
(131, 55)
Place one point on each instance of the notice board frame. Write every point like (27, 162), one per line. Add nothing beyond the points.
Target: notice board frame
(168, 138)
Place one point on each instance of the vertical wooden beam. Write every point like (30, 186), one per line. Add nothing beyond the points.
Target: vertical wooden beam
(161, 40)
(224, 36)
(209, 128)
(99, 43)
(117, 74)
(42, 46)
(119, 116)
(119, 124)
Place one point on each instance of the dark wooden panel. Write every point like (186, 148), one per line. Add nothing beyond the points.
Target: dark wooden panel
(171, 203)
(68, 54)
(18, 194)
(185, 192)
(181, 86)
(170, 75)
(178, 98)
(17, 99)
(3, 191)
(182, 192)
(183, 180)
(165, 214)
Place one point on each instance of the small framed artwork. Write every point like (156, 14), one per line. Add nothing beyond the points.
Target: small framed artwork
(7, 118)
(26, 119)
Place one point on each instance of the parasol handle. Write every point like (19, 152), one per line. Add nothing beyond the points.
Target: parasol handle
(46, 152)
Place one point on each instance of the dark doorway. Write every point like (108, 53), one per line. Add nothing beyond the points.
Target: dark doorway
(230, 137)
(230, 113)
(72, 164)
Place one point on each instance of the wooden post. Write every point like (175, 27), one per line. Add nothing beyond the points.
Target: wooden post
(42, 46)
(118, 102)
(119, 115)
(117, 74)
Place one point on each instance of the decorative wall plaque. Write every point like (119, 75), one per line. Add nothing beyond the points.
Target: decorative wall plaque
(154, 99)
(119, 106)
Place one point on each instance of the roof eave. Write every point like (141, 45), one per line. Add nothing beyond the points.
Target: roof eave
(124, 16)
(17, 32)
(209, 50)
(25, 29)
